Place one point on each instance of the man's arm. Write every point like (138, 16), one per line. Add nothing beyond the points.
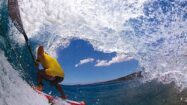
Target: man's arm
(37, 63)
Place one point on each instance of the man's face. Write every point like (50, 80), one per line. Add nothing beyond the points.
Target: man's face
(40, 51)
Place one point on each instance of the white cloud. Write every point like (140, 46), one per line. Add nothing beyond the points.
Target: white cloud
(117, 59)
(84, 61)
(99, 63)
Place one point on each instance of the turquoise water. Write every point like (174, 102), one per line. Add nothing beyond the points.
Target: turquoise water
(131, 92)
(157, 91)
(128, 93)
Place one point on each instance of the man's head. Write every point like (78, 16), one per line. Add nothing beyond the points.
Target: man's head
(40, 51)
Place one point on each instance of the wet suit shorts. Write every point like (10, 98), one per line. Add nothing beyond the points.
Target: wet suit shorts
(56, 80)
(53, 81)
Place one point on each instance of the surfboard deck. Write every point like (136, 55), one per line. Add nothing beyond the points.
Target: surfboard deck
(53, 99)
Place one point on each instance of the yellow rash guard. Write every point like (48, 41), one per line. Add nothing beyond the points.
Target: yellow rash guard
(51, 65)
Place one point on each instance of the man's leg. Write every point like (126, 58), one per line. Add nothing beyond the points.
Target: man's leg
(42, 76)
(58, 87)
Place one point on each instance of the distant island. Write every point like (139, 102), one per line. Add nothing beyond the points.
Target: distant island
(132, 76)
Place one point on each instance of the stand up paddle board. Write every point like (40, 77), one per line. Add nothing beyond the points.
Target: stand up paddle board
(54, 100)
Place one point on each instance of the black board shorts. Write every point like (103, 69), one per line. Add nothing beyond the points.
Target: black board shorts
(53, 81)
(56, 80)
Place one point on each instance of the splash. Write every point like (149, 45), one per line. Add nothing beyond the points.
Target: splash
(153, 32)
(13, 89)
(162, 38)
(89, 20)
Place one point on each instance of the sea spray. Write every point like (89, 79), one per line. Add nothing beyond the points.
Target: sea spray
(15, 91)
(152, 32)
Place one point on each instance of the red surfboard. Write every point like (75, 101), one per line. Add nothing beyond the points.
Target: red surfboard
(53, 99)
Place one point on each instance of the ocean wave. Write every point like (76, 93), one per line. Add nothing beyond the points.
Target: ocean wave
(151, 31)
(15, 91)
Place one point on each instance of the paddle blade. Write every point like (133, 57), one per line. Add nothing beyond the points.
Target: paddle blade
(13, 10)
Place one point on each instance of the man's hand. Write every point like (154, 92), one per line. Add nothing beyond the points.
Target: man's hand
(36, 64)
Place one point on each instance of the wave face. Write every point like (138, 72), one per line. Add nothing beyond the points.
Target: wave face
(13, 89)
(151, 31)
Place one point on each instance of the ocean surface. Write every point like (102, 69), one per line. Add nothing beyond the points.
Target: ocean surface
(151, 31)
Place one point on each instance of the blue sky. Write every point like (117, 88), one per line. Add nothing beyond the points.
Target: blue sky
(89, 73)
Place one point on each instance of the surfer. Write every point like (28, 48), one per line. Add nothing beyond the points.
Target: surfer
(52, 71)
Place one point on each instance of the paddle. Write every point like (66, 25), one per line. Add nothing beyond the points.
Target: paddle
(14, 13)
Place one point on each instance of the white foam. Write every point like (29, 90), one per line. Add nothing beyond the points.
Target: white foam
(74, 14)
(15, 91)
(89, 20)
(105, 24)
